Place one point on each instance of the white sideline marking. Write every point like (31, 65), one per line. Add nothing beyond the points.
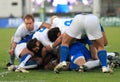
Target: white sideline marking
(4, 73)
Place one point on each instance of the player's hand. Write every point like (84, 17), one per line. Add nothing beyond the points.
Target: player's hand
(48, 48)
(11, 51)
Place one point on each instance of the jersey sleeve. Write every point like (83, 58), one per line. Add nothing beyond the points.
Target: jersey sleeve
(18, 34)
(37, 25)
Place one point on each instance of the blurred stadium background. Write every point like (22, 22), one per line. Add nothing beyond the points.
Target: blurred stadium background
(12, 11)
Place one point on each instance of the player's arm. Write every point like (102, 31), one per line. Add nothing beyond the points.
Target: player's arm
(15, 39)
(56, 43)
(47, 25)
(12, 47)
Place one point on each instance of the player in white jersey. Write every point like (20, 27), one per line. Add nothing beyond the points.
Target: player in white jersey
(42, 36)
(24, 30)
(63, 25)
(51, 65)
(88, 24)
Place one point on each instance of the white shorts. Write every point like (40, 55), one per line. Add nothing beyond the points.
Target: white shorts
(19, 49)
(88, 24)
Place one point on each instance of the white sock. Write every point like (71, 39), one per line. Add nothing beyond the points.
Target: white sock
(30, 66)
(92, 64)
(22, 64)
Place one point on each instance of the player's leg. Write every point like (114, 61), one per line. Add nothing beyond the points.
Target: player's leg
(11, 61)
(75, 30)
(34, 62)
(23, 54)
(102, 55)
(94, 33)
(64, 51)
(23, 61)
(11, 58)
(78, 52)
(17, 52)
(26, 63)
(80, 61)
(92, 64)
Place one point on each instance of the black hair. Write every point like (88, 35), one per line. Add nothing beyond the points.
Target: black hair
(31, 44)
(53, 34)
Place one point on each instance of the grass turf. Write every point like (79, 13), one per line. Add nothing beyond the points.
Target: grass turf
(49, 76)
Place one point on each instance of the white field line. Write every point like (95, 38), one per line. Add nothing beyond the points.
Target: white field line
(4, 73)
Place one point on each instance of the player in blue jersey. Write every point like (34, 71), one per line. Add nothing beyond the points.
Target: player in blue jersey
(80, 57)
(88, 24)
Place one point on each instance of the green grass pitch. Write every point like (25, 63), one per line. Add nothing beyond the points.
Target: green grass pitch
(113, 35)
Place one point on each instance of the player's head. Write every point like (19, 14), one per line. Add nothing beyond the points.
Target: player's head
(53, 34)
(29, 22)
(33, 45)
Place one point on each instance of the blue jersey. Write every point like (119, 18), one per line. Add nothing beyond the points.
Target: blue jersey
(27, 38)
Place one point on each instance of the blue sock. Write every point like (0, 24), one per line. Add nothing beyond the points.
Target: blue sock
(64, 51)
(102, 55)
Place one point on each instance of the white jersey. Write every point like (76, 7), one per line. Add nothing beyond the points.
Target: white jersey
(19, 48)
(42, 36)
(22, 31)
(88, 24)
(62, 24)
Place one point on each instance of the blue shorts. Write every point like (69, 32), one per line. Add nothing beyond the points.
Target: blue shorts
(73, 58)
(78, 50)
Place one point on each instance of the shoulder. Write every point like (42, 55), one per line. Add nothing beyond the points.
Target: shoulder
(21, 27)
(37, 23)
